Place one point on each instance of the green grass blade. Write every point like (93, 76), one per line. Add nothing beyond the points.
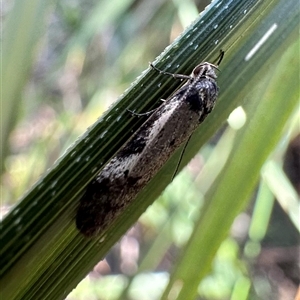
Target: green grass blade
(235, 185)
(43, 255)
(21, 34)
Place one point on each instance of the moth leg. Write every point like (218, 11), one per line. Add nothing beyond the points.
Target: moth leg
(142, 114)
(176, 76)
(180, 158)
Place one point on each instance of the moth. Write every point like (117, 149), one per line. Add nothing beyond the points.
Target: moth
(168, 127)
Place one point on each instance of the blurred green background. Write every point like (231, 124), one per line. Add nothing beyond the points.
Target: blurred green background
(63, 64)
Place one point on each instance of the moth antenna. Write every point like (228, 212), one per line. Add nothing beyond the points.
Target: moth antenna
(174, 75)
(220, 57)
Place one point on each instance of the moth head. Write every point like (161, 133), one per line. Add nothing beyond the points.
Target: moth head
(208, 70)
(205, 69)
